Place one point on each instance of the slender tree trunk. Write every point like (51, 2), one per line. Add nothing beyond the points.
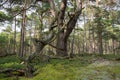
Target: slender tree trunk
(93, 41)
(105, 46)
(83, 46)
(85, 37)
(69, 46)
(15, 37)
(113, 46)
(21, 43)
(78, 40)
(93, 35)
(99, 33)
(30, 36)
(72, 44)
(100, 44)
(9, 48)
(78, 47)
(89, 41)
(21, 52)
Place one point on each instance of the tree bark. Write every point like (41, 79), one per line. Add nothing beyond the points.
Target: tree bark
(72, 45)
(15, 37)
(61, 44)
(61, 41)
(100, 44)
(39, 45)
(21, 51)
(63, 35)
(85, 37)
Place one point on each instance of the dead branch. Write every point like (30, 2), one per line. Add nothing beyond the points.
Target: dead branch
(9, 71)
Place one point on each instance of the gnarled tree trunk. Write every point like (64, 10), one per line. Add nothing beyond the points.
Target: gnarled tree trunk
(39, 45)
(63, 35)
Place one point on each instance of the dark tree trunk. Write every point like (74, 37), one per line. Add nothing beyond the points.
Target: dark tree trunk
(64, 34)
(28, 68)
(23, 25)
(93, 41)
(61, 41)
(99, 32)
(30, 37)
(85, 37)
(15, 37)
(21, 51)
(61, 44)
(100, 44)
(113, 46)
(65, 31)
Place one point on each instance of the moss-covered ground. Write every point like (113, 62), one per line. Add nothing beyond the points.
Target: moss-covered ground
(82, 67)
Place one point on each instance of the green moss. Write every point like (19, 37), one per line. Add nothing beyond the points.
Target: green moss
(10, 62)
(9, 59)
(78, 68)
(111, 56)
(115, 69)
(11, 65)
(2, 75)
(55, 72)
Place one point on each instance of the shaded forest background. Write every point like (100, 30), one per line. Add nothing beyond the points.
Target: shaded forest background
(96, 29)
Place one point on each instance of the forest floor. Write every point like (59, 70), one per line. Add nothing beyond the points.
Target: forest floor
(82, 67)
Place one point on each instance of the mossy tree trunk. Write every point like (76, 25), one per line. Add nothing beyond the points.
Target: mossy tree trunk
(39, 45)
